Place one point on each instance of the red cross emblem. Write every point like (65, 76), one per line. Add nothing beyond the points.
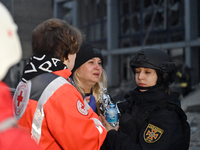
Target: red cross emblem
(19, 98)
(81, 108)
(9, 33)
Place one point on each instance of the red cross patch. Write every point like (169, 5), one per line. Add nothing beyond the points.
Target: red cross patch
(21, 98)
(152, 133)
(81, 108)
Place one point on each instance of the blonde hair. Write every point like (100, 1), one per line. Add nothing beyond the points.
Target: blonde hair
(96, 89)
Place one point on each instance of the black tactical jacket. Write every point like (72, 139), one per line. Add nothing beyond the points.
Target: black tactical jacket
(146, 126)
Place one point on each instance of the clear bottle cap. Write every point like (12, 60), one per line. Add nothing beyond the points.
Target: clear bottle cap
(112, 105)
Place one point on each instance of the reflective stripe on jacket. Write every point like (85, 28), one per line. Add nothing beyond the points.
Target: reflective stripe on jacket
(66, 122)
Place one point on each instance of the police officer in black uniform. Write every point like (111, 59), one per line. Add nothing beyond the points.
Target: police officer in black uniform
(151, 117)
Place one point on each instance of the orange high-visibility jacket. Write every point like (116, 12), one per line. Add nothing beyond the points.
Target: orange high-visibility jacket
(12, 137)
(56, 115)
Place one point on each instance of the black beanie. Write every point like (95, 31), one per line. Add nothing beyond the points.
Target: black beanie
(85, 53)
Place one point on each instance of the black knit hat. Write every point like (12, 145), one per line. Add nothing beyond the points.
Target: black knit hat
(86, 52)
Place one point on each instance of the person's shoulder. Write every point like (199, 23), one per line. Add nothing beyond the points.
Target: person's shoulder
(175, 98)
(66, 91)
(170, 110)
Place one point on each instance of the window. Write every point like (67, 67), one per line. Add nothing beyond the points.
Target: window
(148, 22)
(92, 20)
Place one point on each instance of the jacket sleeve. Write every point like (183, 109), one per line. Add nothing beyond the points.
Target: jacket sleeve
(163, 131)
(119, 141)
(71, 123)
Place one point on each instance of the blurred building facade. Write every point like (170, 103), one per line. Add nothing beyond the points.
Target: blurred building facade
(120, 28)
(27, 14)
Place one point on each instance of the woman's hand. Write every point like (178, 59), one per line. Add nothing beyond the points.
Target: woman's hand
(87, 98)
(91, 101)
(106, 124)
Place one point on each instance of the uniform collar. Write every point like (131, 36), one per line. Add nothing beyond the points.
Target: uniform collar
(155, 94)
(64, 73)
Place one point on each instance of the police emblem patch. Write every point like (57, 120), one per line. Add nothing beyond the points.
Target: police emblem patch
(81, 108)
(152, 133)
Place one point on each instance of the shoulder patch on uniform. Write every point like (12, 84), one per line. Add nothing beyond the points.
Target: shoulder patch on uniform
(152, 133)
(81, 108)
(21, 98)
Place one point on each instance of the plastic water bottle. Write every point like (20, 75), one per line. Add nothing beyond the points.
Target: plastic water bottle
(112, 115)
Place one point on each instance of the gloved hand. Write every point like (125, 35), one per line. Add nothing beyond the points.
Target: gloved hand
(92, 102)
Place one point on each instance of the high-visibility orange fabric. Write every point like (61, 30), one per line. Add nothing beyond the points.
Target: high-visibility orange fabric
(12, 137)
(64, 126)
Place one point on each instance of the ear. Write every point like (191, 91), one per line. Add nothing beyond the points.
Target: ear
(67, 59)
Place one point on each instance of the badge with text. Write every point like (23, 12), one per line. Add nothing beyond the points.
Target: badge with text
(81, 108)
(152, 133)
